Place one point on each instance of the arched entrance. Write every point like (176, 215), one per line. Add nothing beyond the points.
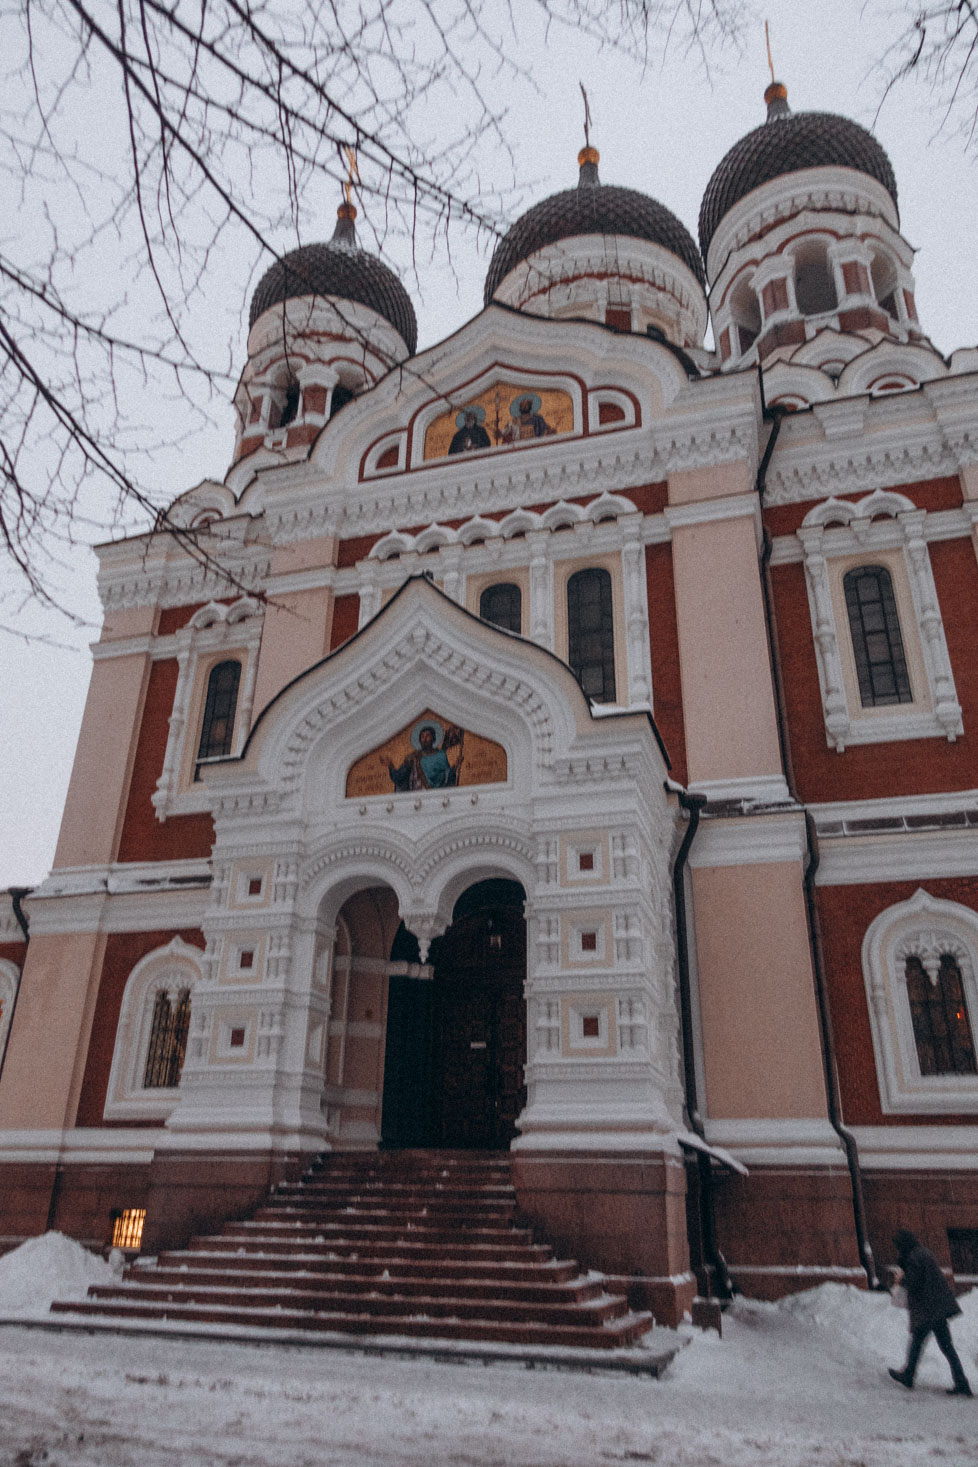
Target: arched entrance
(456, 1028)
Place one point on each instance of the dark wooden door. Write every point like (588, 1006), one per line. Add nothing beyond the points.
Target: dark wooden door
(480, 1027)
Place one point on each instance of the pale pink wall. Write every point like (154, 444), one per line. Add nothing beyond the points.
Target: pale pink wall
(93, 813)
(728, 699)
(296, 631)
(295, 637)
(42, 1073)
(757, 1000)
(132, 621)
(690, 486)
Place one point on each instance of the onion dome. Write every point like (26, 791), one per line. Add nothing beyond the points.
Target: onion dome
(591, 208)
(787, 143)
(343, 270)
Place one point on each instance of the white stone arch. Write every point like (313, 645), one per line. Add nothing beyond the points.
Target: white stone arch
(573, 780)
(926, 927)
(909, 362)
(172, 968)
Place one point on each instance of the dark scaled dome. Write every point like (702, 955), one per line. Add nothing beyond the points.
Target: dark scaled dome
(342, 269)
(786, 143)
(591, 208)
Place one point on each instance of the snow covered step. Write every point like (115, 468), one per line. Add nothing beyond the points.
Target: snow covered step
(540, 1270)
(415, 1244)
(588, 1312)
(613, 1335)
(572, 1288)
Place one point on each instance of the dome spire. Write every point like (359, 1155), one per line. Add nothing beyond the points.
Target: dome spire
(776, 94)
(345, 234)
(588, 157)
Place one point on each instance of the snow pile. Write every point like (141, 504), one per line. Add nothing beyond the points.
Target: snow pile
(835, 1338)
(48, 1268)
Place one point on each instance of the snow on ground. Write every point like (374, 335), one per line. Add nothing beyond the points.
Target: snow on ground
(48, 1268)
(798, 1384)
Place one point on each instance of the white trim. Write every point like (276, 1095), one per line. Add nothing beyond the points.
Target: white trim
(773, 1142)
(917, 1148)
(924, 927)
(751, 789)
(749, 840)
(851, 860)
(9, 984)
(899, 544)
(174, 968)
(214, 634)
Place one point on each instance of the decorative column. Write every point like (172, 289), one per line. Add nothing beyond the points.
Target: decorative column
(636, 612)
(541, 590)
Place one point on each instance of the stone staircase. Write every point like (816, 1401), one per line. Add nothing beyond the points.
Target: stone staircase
(409, 1243)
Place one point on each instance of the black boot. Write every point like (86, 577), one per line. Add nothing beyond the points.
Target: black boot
(960, 1388)
(902, 1378)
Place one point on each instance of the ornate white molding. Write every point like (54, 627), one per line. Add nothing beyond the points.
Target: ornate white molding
(171, 969)
(924, 927)
(937, 715)
(214, 628)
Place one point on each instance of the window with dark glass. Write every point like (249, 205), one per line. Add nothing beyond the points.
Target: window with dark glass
(217, 728)
(290, 408)
(501, 604)
(591, 633)
(941, 1026)
(881, 666)
(167, 1040)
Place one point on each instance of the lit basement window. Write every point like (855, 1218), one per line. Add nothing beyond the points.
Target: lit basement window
(127, 1229)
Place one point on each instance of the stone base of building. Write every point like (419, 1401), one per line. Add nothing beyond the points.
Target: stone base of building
(941, 1207)
(784, 1229)
(622, 1213)
(781, 1229)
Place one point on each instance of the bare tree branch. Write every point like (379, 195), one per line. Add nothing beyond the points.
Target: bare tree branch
(146, 142)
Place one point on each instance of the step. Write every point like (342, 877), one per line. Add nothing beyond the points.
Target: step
(550, 1270)
(450, 1199)
(401, 1246)
(575, 1290)
(614, 1335)
(417, 1245)
(355, 1228)
(346, 1301)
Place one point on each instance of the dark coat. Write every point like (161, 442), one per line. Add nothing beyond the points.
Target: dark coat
(929, 1296)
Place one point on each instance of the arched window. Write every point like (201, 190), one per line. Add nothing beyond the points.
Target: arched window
(290, 408)
(341, 395)
(502, 605)
(939, 1014)
(814, 285)
(920, 961)
(153, 1033)
(217, 726)
(881, 666)
(167, 1040)
(591, 633)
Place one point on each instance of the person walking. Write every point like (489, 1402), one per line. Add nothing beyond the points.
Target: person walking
(931, 1304)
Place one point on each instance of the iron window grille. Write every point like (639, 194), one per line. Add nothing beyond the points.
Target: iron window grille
(167, 1041)
(591, 633)
(939, 1013)
(877, 644)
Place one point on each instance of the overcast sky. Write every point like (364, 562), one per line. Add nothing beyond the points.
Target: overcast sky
(662, 131)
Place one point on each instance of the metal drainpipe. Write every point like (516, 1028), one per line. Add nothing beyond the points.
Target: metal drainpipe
(826, 1035)
(17, 895)
(693, 805)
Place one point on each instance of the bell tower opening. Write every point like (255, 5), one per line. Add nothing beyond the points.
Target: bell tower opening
(456, 1027)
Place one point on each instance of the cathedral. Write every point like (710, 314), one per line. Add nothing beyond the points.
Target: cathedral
(555, 746)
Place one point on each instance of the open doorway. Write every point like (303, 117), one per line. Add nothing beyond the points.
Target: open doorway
(456, 1028)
